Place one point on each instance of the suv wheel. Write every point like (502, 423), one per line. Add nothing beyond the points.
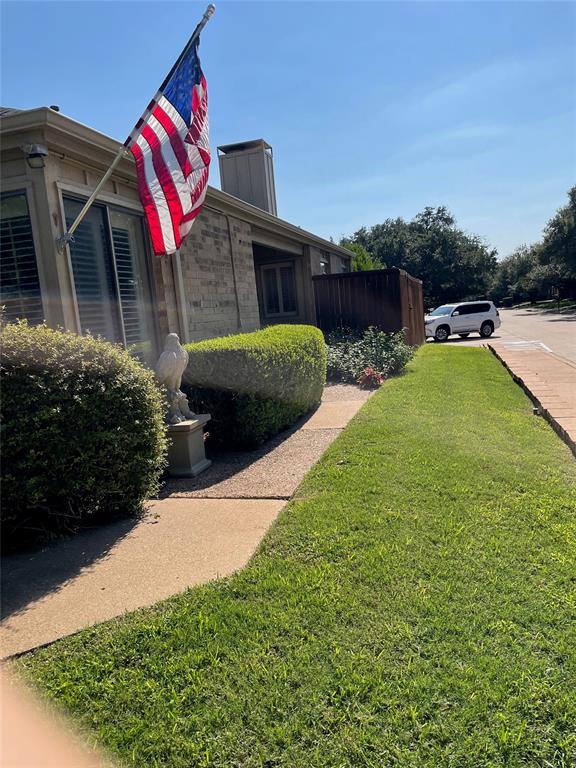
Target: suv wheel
(486, 330)
(442, 333)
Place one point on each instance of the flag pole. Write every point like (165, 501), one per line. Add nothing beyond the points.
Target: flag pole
(68, 237)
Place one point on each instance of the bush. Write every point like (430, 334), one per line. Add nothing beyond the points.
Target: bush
(256, 384)
(83, 437)
(351, 352)
(370, 379)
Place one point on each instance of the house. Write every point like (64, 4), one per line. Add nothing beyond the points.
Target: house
(241, 266)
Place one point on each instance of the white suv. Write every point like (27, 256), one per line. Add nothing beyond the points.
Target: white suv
(465, 318)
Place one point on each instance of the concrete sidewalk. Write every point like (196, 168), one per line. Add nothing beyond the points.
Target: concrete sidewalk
(548, 379)
(204, 528)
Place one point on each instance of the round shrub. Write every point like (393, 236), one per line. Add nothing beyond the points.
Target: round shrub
(83, 436)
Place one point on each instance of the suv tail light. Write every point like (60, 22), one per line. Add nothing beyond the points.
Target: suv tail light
(497, 313)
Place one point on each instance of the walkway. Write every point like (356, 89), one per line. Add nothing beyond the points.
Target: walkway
(549, 380)
(205, 528)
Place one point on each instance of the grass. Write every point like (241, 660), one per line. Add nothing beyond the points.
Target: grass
(552, 305)
(413, 607)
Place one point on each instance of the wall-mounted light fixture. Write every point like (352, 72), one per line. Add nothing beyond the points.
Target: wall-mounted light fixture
(35, 154)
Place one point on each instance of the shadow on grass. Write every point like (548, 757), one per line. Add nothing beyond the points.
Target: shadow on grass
(546, 313)
(458, 340)
(566, 318)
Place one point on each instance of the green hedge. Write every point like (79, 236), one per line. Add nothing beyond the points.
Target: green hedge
(83, 437)
(256, 384)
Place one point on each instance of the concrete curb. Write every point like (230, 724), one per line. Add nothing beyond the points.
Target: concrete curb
(543, 411)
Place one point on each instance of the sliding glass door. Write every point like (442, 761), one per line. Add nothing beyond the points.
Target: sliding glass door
(113, 291)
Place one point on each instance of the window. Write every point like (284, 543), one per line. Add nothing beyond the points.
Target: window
(94, 274)
(325, 264)
(110, 277)
(135, 299)
(279, 287)
(473, 309)
(445, 309)
(20, 290)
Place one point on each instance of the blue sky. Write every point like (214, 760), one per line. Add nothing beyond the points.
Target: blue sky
(374, 109)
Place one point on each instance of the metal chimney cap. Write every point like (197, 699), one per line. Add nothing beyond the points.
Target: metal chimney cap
(242, 146)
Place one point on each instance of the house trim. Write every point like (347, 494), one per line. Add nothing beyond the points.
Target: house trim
(63, 133)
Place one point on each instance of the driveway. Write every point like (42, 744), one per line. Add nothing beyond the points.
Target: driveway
(555, 330)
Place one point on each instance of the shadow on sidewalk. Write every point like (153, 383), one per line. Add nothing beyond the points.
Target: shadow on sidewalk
(226, 464)
(28, 576)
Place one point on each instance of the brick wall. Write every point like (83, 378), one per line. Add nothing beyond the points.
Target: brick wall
(218, 277)
(219, 280)
(165, 296)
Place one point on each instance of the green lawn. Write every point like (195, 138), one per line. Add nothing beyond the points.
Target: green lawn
(551, 305)
(414, 606)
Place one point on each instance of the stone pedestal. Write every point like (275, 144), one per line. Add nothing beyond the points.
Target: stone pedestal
(186, 457)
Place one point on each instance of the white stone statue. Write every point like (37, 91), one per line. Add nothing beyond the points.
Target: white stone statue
(169, 369)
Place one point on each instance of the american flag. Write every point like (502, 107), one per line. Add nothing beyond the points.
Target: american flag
(172, 153)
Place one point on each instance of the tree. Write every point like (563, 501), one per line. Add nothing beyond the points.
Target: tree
(361, 261)
(452, 264)
(544, 269)
(559, 242)
(512, 276)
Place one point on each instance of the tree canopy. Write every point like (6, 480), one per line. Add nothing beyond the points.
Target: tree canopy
(452, 264)
(455, 265)
(535, 271)
(361, 261)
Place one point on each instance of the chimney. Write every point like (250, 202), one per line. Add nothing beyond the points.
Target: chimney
(247, 172)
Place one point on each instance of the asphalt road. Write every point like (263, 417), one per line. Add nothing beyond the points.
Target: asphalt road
(556, 331)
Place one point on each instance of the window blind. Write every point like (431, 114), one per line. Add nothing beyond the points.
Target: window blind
(127, 282)
(94, 277)
(19, 282)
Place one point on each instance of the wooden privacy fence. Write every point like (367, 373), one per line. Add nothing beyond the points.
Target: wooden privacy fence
(389, 299)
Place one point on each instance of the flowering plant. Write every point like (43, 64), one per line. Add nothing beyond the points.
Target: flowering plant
(370, 379)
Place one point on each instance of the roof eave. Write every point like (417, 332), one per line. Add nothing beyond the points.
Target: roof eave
(46, 118)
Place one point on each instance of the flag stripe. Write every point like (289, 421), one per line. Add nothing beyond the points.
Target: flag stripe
(165, 179)
(173, 154)
(172, 164)
(148, 203)
(174, 138)
(157, 192)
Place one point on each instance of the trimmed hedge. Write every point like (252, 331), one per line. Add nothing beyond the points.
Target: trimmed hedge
(83, 435)
(256, 384)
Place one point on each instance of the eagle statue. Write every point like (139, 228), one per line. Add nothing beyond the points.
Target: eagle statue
(169, 369)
